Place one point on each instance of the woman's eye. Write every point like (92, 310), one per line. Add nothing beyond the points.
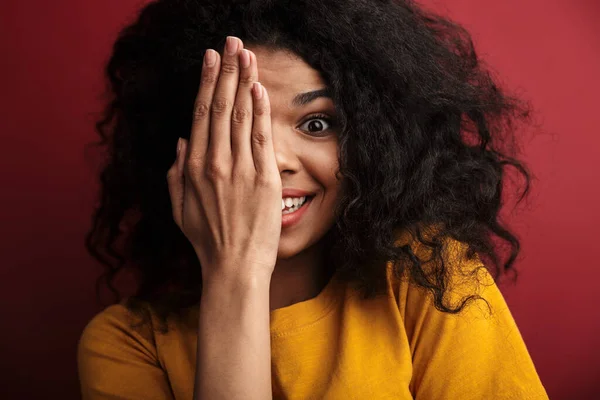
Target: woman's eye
(316, 124)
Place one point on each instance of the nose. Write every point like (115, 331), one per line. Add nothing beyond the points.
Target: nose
(286, 150)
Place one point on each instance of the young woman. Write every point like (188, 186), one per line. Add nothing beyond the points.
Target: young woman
(328, 227)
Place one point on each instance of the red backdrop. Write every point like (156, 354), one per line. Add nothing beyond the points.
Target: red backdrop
(52, 56)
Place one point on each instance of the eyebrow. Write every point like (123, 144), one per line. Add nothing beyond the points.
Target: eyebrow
(303, 99)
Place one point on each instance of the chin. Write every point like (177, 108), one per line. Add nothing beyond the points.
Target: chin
(289, 246)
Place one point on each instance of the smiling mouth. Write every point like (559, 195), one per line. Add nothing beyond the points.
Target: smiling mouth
(293, 209)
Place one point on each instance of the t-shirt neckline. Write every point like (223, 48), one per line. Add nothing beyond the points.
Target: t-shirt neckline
(298, 316)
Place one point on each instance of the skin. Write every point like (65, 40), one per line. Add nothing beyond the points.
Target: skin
(226, 192)
(306, 156)
(300, 153)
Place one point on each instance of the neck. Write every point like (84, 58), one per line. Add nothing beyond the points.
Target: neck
(299, 278)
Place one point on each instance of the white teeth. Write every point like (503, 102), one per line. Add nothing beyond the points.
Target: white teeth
(292, 203)
(288, 211)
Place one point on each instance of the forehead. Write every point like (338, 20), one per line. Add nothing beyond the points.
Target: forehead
(285, 74)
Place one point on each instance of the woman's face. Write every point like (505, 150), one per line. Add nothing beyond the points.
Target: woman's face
(305, 144)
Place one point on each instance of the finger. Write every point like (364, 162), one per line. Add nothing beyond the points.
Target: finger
(263, 150)
(241, 118)
(175, 182)
(199, 137)
(219, 145)
(181, 157)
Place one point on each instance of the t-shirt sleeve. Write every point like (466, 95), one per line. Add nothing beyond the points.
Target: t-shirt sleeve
(117, 362)
(476, 354)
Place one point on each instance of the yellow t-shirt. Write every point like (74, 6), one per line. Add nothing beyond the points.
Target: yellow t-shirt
(336, 346)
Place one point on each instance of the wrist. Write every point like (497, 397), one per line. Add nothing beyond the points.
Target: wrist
(236, 282)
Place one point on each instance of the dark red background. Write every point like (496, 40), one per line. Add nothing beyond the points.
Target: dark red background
(52, 56)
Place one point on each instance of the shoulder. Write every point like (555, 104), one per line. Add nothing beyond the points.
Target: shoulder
(115, 317)
(462, 276)
(117, 329)
(117, 357)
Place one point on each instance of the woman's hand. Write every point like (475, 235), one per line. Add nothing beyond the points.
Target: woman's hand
(225, 186)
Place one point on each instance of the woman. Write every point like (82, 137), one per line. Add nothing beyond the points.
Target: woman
(376, 128)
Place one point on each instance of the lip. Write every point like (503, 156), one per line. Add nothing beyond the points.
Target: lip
(289, 192)
(293, 218)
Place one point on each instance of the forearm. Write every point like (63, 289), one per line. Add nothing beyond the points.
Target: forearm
(234, 342)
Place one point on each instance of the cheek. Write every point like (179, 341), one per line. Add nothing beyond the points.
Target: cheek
(331, 183)
(330, 169)
(323, 170)
(320, 159)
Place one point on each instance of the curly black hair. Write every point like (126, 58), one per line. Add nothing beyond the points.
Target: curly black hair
(425, 136)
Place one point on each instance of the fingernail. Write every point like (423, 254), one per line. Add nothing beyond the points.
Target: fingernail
(210, 58)
(231, 45)
(178, 146)
(258, 90)
(245, 58)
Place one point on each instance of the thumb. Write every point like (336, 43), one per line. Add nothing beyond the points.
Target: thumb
(176, 183)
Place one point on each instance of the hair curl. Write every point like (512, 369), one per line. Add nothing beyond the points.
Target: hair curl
(425, 137)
